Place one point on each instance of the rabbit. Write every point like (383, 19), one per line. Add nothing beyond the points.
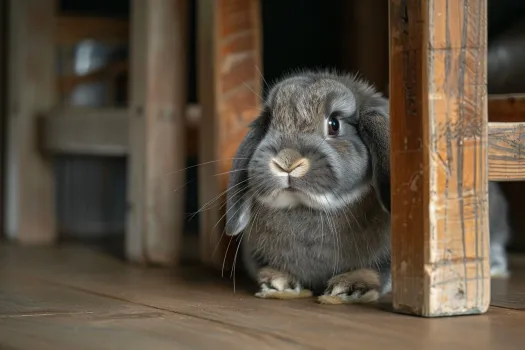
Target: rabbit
(310, 191)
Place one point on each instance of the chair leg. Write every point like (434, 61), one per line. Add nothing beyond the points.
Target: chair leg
(440, 234)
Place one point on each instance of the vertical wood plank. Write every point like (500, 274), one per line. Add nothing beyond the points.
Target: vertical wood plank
(30, 208)
(440, 236)
(3, 107)
(229, 89)
(157, 142)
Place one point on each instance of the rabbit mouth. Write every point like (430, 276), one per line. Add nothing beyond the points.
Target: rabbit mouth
(286, 198)
(290, 197)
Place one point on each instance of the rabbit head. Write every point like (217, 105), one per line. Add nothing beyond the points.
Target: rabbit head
(321, 139)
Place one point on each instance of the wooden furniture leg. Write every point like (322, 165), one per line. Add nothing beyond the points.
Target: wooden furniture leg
(156, 131)
(440, 236)
(229, 90)
(30, 208)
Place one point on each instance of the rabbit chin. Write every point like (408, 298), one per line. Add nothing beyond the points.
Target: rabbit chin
(286, 199)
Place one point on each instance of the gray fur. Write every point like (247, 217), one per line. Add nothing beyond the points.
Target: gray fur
(339, 223)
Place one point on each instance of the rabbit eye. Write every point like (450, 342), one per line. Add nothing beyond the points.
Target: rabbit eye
(333, 126)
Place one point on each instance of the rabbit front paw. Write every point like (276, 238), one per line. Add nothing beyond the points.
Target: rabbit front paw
(354, 287)
(275, 284)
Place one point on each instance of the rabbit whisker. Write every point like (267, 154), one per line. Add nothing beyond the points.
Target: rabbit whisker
(204, 163)
(228, 247)
(231, 171)
(205, 206)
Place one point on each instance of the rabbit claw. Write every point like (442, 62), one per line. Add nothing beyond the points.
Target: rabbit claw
(355, 287)
(275, 284)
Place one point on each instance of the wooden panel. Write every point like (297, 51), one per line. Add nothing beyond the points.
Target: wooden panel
(229, 90)
(87, 131)
(157, 125)
(507, 108)
(506, 151)
(30, 215)
(440, 237)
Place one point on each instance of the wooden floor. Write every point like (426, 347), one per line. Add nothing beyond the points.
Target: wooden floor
(76, 298)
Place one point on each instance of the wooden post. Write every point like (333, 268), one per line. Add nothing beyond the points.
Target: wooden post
(157, 143)
(229, 90)
(440, 236)
(30, 209)
(3, 107)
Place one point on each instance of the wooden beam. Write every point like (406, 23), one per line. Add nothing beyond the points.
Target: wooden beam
(98, 132)
(440, 234)
(507, 108)
(506, 151)
(30, 209)
(229, 86)
(156, 135)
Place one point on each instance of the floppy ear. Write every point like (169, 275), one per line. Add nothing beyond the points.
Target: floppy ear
(374, 128)
(238, 206)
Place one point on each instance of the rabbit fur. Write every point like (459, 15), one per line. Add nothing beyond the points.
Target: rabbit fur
(309, 190)
(313, 207)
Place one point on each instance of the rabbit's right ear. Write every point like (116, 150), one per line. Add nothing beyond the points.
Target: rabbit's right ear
(238, 206)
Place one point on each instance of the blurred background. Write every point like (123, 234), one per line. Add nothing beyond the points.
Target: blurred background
(92, 76)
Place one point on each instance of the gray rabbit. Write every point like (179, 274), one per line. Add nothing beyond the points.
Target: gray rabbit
(310, 191)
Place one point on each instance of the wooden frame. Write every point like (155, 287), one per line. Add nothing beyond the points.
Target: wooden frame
(30, 210)
(156, 131)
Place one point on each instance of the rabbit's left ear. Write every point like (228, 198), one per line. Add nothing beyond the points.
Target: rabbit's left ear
(374, 128)
(238, 205)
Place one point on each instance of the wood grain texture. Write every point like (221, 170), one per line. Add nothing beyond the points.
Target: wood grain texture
(507, 108)
(156, 135)
(506, 151)
(440, 238)
(75, 298)
(229, 90)
(30, 209)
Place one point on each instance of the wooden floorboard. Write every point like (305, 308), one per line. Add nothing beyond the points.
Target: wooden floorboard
(510, 293)
(76, 298)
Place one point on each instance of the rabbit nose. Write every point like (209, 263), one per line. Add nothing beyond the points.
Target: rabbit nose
(289, 162)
